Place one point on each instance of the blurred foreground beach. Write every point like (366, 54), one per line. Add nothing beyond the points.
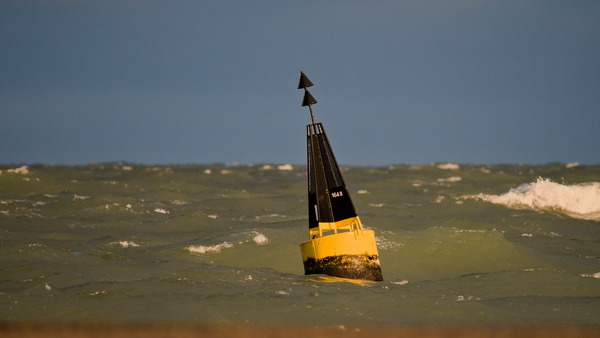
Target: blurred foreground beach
(240, 331)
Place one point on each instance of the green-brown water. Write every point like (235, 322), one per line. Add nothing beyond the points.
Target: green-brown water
(125, 243)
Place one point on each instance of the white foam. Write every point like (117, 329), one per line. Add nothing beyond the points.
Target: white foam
(161, 211)
(270, 218)
(578, 201)
(179, 202)
(400, 282)
(125, 244)
(448, 166)
(260, 239)
(384, 242)
(461, 298)
(450, 179)
(97, 293)
(205, 249)
(591, 275)
(24, 170)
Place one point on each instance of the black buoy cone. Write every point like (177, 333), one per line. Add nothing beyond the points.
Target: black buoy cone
(308, 99)
(304, 81)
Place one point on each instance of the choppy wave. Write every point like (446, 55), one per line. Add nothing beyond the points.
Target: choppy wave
(591, 275)
(221, 243)
(260, 239)
(125, 244)
(448, 166)
(578, 201)
(209, 248)
(23, 170)
(257, 238)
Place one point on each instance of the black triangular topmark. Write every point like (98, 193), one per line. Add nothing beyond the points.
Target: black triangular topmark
(308, 99)
(304, 81)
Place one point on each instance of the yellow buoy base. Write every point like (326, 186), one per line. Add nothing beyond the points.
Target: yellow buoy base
(349, 254)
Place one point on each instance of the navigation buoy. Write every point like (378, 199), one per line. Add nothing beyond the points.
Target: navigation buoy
(338, 244)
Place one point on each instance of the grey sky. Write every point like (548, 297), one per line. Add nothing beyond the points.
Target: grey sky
(215, 81)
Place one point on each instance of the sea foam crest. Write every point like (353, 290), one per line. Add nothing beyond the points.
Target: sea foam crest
(578, 201)
(205, 249)
(124, 244)
(448, 166)
(24, 170)
(260, 239)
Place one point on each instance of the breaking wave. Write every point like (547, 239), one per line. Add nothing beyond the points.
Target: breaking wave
(125, 244)
(212, 248)
(257, 238)
(260, 239)
(24, 170)
(578, 201)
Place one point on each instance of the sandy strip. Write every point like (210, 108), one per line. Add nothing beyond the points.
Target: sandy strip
(9, 330)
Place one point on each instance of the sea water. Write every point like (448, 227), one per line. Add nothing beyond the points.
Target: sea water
(460, 245)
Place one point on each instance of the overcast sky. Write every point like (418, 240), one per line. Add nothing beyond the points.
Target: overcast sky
(414, 82)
